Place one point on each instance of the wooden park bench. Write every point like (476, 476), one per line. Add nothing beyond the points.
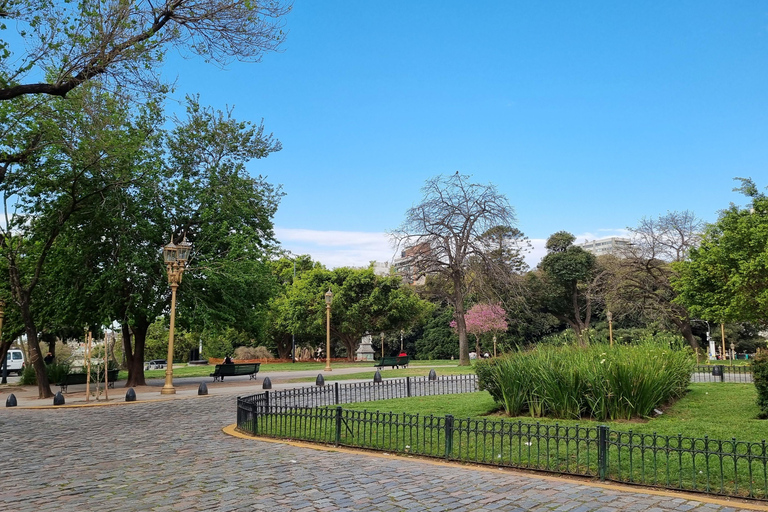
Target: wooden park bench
(230, 370)
(394, 362)
(71, 379)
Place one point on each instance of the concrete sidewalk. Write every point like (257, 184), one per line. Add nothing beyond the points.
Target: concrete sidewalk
(186, 387)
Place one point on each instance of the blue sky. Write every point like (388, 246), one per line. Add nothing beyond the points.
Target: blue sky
(586, 115)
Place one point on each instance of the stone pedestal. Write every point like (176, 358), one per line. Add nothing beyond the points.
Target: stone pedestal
(365, 350)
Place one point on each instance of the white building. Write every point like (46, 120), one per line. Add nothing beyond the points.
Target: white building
(381, 268)
(612, 245)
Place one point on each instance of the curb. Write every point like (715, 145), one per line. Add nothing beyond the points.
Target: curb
(723, 502)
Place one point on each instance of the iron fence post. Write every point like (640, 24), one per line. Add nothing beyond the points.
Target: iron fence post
(408, 386)
(448, 435)
(602, 451)
(336, 393)
(722, 373)
(338, 425)
(266, 402)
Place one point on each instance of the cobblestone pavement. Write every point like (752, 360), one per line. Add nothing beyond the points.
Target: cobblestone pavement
(172, 455)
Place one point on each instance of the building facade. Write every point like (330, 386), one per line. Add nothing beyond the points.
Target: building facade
(613, 245)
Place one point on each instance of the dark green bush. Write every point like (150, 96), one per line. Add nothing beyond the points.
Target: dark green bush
(760, 377)
(28, 377)
(55, 371)
(484, 368)
(601, 382)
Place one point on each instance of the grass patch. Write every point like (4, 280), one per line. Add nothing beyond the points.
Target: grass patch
(717, 410)
(206, 369)
(391, 374)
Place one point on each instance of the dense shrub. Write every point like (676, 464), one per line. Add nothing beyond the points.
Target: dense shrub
(760, 378)
(599, 381)
(245, 353)
(437, 340)
(54, 371)
(28, 377)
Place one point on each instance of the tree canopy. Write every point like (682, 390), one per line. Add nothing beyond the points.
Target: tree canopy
(726, 278)
(67, 44)
(566, 285)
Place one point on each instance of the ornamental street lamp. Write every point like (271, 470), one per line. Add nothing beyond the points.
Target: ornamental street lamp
(175, 257)
(328, 300)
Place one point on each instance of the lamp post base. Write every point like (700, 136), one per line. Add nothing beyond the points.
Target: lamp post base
(328, 369)
(168, 390)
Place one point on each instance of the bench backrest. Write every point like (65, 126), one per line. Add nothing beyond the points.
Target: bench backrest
(237, 369)
(395, 360)
(79, 377)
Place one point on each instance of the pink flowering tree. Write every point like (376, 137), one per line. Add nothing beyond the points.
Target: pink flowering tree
(484, 318)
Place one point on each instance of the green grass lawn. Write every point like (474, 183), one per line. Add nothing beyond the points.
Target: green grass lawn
(717, 410)
(389, 373)
(206, 370)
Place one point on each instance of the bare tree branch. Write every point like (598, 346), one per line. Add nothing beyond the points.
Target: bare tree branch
(73, 43)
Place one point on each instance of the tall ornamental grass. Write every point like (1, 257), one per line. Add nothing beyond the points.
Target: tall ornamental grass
(601, 382)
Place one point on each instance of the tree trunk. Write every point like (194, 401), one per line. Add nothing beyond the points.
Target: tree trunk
(4, 346)
(461, 324)
(283, 345)
(685, 329)
(350, 343)
(35, 357)
(136, 358)
(578, 325)
(127, 350)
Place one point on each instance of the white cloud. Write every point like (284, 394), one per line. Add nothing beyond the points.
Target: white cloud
(358, 248)
(337, 248)
(538, 251)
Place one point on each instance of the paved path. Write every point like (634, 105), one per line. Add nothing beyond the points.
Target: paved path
(173, 455)
(26, 396)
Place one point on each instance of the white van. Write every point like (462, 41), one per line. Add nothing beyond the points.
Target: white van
(15, 360)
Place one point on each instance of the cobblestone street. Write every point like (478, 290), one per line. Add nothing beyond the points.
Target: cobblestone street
(173, 455)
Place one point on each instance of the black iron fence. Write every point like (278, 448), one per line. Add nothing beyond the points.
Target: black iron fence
(729, 468)
(722, 373)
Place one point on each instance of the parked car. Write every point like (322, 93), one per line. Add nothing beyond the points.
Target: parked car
(15, 360)
(155, 364)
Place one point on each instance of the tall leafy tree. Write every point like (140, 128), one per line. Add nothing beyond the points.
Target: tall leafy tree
(446, 228)
(566, 286)
(201, 190)
(92, 146)
(280, 326)
(362, 302)
(726, 278)
(224, 212)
